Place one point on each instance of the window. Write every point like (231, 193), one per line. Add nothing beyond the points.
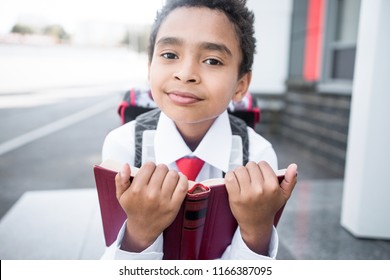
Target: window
(341, 25)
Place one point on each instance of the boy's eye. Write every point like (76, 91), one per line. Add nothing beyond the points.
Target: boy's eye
(169, 55)
(213, 61)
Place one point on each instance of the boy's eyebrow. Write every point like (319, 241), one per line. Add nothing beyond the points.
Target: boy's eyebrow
(169, 41)
(204, 45)
(216, 47)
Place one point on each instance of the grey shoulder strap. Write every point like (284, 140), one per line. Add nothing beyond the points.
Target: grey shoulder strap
(145, 121)
(239, 128)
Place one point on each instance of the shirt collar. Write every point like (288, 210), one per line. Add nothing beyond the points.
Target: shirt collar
(214, 148)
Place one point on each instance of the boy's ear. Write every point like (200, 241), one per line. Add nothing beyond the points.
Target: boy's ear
(242, 87)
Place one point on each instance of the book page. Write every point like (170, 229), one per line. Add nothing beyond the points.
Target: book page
(116, 166)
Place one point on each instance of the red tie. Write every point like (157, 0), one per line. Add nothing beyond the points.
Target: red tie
(190, 167)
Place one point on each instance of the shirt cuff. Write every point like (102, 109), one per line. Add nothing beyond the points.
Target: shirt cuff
(153, 252)
(238, 250)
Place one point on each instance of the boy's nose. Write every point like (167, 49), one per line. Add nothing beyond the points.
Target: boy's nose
(187, 73)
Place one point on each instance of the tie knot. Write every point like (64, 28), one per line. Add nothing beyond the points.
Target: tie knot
(190, 167)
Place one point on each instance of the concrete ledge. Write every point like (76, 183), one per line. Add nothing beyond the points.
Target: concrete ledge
(64, 224)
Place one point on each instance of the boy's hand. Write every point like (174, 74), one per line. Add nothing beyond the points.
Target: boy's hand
(151, 202)
(255, 196)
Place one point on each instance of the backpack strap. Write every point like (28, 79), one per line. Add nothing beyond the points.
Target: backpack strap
(145, 121)
(149, 120)
(239, 127)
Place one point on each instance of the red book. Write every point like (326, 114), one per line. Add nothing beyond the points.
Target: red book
(203, 228)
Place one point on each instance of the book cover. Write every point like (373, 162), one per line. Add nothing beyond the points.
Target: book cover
(203, 228)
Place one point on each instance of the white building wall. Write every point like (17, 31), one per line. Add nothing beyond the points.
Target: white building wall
(272, 27)
(365, 205)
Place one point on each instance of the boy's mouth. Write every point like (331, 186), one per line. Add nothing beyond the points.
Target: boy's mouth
(183, 98)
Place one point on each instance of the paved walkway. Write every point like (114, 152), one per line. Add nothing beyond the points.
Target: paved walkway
(310, 226)
(56, 224)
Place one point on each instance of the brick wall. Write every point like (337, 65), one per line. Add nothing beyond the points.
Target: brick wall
(317, 122)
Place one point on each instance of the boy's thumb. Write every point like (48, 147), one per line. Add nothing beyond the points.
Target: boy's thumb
(290, 178)
(122, 180)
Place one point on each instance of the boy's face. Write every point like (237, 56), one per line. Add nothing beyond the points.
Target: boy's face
(193, 73)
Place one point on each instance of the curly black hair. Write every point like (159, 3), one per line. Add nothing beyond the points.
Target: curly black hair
(236, 11)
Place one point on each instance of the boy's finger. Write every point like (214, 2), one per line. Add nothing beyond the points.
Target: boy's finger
(122, 180)
(267, 171)
(169, 185)
(290, 179)
(125, 174)
(232, 185)
(256, 177)
(181, 190)
(143, 176)
(157, 178)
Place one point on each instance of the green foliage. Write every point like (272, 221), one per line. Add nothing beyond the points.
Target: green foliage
(22, 29)
(137, 39)
(56, 31)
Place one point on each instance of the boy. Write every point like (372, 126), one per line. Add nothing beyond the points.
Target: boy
(200, 58)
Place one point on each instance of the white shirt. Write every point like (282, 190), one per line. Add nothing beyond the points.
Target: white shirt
(165, 145)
